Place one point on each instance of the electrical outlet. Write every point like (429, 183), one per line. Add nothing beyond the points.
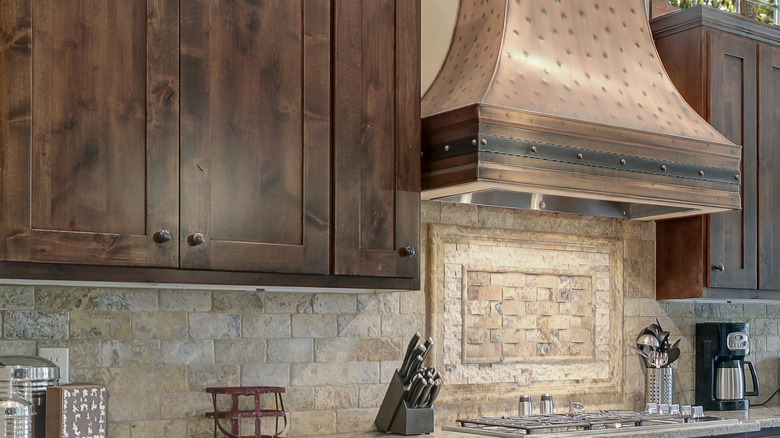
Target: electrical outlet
(60, 358)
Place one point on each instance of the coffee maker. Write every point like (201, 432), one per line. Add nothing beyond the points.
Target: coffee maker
(720, 366)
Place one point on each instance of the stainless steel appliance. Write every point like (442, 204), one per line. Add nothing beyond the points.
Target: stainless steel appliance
(720, 366)
(28, 377)
(602, 421)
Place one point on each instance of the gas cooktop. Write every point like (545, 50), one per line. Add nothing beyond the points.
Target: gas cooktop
(577, 422)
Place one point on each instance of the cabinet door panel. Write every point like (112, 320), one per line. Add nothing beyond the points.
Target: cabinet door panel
(90, 131)
(734, 114)
(255, 134)
(376, 137)
(769, 168)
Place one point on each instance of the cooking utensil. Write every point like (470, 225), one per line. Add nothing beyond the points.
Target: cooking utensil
(413, 367)
(406, 374)
(663, 339)
(648, 340)
(674, 354)
(645, 331)
(676, 343)
(655, 328)
(428, 347)
(425, 394)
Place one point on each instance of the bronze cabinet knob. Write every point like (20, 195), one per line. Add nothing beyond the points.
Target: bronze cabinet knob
(407, 251)
(162, 236)
(719, 267)
(196, 239)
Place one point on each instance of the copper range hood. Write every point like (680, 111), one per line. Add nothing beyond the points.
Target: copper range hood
(564, 105)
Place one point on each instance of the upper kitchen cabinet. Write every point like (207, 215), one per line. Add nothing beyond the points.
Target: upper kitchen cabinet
(376, 123)
(199, 141)
(255, 127)
(726, 68)
(89, 132)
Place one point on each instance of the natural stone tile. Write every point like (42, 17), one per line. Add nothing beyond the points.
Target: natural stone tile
(214, 325)
(159, 325)
(286, 302)
(709, 311)
(240, 351)
(17, 298)
(773, 344)
(125, 407)
(175, 300)
(334, 303)
(314, 374)
(290, 350)
(430, 211)
(371, 396)
(312, 423)
(84, 353)
(119, 430)
(356, 349)
(185, 404)
(200, 377)
(401, 326)
(20, 348)
(651, 308)
(298, 399)
(314, 326)
(752, 311)
(239, 301)
(188, 352)
(267, 374)
(156, 429)
(135, 300)
(55, 299)
(335, 397)
(360, 325)
(355, 420)
(490, 217)
(380, 303)
(680, 309)
(90, 324)
(412, 303)
(122, 353)
(35, 325)
(200, 427)
(459, 214)
(142, 379)
(764, 326)
(266, 326)
(90, 374)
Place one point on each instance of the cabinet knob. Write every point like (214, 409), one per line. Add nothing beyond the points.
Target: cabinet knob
(162, 236)
(407, 251)
(196, 239)
(719, 267)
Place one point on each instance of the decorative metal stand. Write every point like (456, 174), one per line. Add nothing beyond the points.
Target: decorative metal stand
(236, 414)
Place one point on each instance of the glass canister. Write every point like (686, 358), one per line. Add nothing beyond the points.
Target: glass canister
(28, 377)
(17, 415)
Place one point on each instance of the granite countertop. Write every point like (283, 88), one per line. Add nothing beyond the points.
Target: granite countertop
(755, 419)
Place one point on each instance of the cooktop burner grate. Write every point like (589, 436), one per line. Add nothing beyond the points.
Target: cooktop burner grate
(568, 422)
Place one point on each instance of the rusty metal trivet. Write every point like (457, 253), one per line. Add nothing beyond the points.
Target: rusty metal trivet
(235, 414)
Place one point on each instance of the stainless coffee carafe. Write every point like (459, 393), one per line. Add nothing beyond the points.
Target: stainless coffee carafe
(730, 380)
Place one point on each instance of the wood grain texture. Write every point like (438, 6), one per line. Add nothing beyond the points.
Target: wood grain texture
(734, 112)
(376, 137)
(255, 134)
(769, 168)
(82, 85)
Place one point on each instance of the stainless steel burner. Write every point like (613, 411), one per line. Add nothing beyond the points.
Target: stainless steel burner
(570, 422)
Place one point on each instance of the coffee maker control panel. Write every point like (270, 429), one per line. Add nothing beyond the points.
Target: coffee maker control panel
(738, 342)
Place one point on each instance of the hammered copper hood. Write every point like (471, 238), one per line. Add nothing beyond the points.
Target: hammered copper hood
(564, 105)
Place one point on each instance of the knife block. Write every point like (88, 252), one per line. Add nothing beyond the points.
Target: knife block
(395, 416)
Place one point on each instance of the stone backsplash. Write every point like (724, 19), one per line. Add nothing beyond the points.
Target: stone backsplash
(157, 349)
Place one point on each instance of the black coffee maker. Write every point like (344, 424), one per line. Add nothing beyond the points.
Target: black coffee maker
(720, 366)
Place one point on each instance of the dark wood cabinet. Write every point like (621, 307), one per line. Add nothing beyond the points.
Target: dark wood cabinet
(769, 168)
(89, 131)
(255, 129)
(276, 142)
(717, 61)
(376, 135)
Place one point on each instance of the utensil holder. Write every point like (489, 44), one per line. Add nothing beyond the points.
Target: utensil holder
(397, 417)
(659, 385)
